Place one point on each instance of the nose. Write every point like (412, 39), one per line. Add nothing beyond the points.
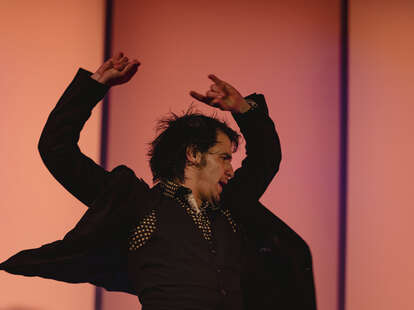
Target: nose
(230, 171)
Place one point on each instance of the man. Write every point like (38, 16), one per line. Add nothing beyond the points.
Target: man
(199, 239)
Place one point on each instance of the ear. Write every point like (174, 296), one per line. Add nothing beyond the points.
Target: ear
(193, 156)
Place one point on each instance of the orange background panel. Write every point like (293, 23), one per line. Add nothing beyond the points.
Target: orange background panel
(289, 51)
(43, 44)
(380, 258)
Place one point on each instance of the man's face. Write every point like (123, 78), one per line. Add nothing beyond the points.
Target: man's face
(215, 170)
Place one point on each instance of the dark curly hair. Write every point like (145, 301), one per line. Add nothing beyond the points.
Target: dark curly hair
(167, 153)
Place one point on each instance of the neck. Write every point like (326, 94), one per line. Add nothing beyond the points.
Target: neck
(190, 181)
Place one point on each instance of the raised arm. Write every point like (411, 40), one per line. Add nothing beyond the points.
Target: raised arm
(58, 144)
(263, 152)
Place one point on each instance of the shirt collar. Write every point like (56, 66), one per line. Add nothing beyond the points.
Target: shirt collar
(174, 190)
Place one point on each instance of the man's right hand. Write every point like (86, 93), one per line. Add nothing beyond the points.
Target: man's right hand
(116, 70)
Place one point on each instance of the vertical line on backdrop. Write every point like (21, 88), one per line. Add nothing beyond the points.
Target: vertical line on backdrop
(343, 182)
(105, 114)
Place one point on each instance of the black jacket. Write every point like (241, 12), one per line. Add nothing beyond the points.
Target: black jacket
(277, 267)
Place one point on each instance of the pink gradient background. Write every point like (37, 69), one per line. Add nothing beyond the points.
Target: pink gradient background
(43, 43)
(381, 168)
(289, 52)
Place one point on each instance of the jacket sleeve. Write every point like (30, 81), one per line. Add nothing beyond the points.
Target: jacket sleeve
(263, 155)
(58, 144)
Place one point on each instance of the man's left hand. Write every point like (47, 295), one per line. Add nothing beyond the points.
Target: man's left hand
(222, 96)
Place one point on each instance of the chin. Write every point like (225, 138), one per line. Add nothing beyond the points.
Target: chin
(215, 201)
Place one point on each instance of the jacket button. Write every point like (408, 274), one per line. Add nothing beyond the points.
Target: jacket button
(223, 292)
(213, 251)
(218, 270)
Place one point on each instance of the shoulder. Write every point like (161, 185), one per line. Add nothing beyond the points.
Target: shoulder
(122, 186)
(125, 175)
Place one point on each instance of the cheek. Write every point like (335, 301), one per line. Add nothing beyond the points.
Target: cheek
(214, 170)
(218, 168)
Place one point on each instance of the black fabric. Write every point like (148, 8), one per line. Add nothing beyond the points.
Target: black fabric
(178, 268)
(276, 269)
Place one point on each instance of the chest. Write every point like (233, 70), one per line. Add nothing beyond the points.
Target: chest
(170, 230)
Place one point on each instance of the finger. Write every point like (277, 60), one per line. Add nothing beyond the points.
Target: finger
(131, 66)
(217, 102)
(120, 66)
(216, 80)
(214, 95)
(118, 56)
(129, 70)
(198, 96)
(121, 61)
(223, 86)
(136, 61)
(217, 89)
